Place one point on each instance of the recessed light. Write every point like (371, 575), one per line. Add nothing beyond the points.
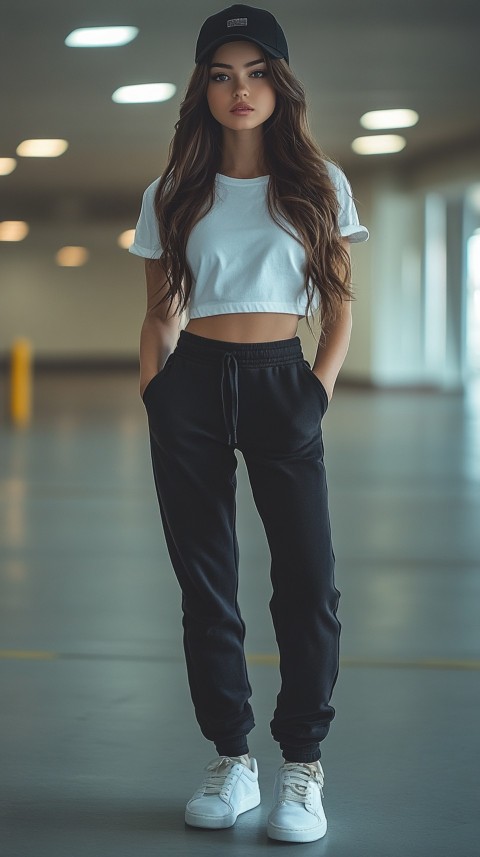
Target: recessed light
(380, 144)
(13, 230)
(126, 238)
(45, 148)
(72, 256)
(141, 93)
(100, 37)
(7, 166)
(377, 120)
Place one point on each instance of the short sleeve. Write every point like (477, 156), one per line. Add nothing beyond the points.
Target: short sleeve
(146, 241)
(348, 221)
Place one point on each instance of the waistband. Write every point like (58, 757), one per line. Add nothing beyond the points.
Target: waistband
(206, 350)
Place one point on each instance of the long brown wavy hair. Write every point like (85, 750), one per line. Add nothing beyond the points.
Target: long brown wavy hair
(299, 187)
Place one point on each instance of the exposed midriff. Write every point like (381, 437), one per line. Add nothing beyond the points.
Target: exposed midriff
(246, 326)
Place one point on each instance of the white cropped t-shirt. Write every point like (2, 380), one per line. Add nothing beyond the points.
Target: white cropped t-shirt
(241, 261)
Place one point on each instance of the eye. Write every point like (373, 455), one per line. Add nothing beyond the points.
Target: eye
(222, 74)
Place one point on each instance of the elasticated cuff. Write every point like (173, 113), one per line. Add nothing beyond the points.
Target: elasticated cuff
(237, 746)
(309, 753)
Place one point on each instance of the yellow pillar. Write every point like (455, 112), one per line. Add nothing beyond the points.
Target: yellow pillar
(21, 382)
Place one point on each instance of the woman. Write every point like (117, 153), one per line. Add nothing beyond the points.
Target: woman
(248, 230)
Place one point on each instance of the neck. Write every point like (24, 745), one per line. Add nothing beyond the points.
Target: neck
(242, 156)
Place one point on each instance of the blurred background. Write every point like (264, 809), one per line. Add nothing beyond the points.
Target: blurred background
(95, 701)
(417, 311)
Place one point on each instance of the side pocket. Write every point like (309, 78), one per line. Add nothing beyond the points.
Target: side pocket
(155, 378)
(318, 384)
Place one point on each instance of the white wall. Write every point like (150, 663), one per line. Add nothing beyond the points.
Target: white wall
(97, 310)
(396, 282)
(93, 311)
(387, 339)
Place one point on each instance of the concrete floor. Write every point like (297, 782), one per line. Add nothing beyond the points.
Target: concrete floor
(99, 746)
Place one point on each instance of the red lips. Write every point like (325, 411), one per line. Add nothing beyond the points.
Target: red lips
(241, 106)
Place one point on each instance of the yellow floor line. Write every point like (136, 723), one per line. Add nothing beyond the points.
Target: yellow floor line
(267, 660)
(16, 654)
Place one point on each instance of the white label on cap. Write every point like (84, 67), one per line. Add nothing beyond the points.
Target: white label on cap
(237, 22)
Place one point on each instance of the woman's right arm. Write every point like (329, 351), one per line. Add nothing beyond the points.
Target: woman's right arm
(159, 333)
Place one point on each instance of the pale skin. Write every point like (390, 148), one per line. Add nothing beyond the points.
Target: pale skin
(242, 157)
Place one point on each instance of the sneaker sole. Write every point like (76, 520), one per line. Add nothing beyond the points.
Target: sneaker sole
(214, 822)
(286, 835)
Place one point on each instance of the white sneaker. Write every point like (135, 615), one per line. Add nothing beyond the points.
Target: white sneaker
(297, 814)
(228, 789)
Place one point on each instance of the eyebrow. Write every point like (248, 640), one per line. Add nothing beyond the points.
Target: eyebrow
(224, 65)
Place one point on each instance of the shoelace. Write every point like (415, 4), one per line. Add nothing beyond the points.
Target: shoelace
(220, 768)
(296, 779)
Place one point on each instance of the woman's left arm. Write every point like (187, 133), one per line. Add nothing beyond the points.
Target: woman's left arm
(333, 346)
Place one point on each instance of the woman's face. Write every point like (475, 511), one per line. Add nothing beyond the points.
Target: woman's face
(229, 86)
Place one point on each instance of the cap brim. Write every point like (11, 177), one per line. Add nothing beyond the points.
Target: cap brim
(240, 38)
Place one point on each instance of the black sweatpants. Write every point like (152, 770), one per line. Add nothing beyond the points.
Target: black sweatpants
(211, 397)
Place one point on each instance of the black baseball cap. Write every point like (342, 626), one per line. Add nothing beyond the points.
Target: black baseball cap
(242, 22)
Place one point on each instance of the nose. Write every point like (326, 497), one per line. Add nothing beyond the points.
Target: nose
(241, 90)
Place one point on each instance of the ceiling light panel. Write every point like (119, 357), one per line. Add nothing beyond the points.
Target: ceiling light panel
(378, 120)
(101, 37)
(126, 239)
(72, 256)
(142, 93)
(7, 166)
(13, 230)
(381, 144)
(42, 148)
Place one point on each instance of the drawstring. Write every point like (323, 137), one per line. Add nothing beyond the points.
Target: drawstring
(230, 362)
(207, 351)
